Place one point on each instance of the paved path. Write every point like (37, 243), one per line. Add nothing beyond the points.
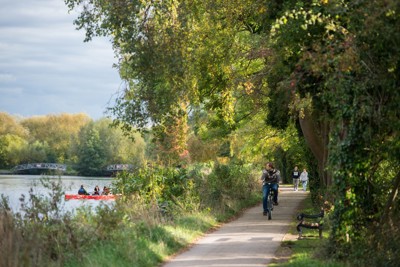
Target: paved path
(251, 240)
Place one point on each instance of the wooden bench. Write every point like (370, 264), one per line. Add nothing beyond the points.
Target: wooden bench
(315, 223)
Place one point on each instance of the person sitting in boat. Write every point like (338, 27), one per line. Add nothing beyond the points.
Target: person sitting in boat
(96, 190)
(82, 191)
(106, 190)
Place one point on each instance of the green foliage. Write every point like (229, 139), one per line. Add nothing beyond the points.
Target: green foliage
(224, 188)
(159, 186)
(217, 186)
(11, 125)
(11, 150)
(119, 148)
(41, 234)
(310, 250)
(279, 104)
(366, 138)
(91, 154)
(45, 235)
(66, 139)
(37, 152)
(331, 65)
(144, 244)
(56, 132)
(132, 232)
(331, 55)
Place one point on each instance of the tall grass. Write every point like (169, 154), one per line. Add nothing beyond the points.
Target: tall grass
(162, 211)
(39, 234)
(10, 240)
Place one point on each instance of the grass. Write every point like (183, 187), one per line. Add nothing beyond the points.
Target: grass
(133, 232)
(144, 245)
(308, 251)
(133, 235)
(148, 242)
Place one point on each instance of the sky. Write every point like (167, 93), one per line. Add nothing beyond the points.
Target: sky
(46, 68)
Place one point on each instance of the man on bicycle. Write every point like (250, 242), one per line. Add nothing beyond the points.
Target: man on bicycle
(270, 177)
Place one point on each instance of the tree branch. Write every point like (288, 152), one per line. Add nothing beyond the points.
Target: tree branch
(385, 219)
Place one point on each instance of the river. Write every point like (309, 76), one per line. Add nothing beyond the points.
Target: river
(13, 186)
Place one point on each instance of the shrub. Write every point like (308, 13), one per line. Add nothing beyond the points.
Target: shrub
(41, 234)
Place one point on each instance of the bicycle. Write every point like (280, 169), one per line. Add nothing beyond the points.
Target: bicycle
(270, 202)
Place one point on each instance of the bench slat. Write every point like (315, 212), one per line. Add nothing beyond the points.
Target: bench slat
(310, 225)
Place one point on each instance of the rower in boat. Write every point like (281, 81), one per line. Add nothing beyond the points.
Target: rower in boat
(96, 190)
(82, 191)
(106, 190)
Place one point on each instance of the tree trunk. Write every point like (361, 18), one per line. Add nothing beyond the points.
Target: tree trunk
(316, 139)
(386, 218)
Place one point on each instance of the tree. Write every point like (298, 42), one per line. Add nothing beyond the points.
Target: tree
(341, 63)
(173, 56)
(12, 140)
(57, 131)
(11, 150)
(332, 66)
(33, 152)
(91, 152)
(118, 147)
(99, 144)
(11, 125)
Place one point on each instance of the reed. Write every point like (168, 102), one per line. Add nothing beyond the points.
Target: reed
(10, 240)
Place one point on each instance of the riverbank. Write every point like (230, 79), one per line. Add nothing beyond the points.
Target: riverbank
(132, 233)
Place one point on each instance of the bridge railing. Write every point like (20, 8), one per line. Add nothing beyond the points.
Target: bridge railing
(119, 167)
(63, 167)
(47, 166)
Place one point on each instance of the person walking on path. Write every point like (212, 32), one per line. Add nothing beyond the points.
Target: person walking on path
(296, 176)
(270, 178)
(304, 179)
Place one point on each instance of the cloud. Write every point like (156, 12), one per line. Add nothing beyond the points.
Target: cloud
(7, 78)
(46, 68)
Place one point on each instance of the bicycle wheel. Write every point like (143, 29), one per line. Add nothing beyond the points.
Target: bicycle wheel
(270, 207)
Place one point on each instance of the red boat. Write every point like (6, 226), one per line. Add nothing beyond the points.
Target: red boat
(96, 197)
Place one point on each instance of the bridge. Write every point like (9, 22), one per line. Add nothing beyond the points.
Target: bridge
(38, 167)
(119, 167)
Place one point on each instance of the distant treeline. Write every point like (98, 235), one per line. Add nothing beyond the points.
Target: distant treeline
(87, 146)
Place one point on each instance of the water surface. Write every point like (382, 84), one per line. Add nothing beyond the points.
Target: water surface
(13, 186)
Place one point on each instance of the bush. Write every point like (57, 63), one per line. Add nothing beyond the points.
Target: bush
(162, 210)
(224, 188)
(41, 234)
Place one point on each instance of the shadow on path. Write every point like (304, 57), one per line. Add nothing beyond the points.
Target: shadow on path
(251, 240)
